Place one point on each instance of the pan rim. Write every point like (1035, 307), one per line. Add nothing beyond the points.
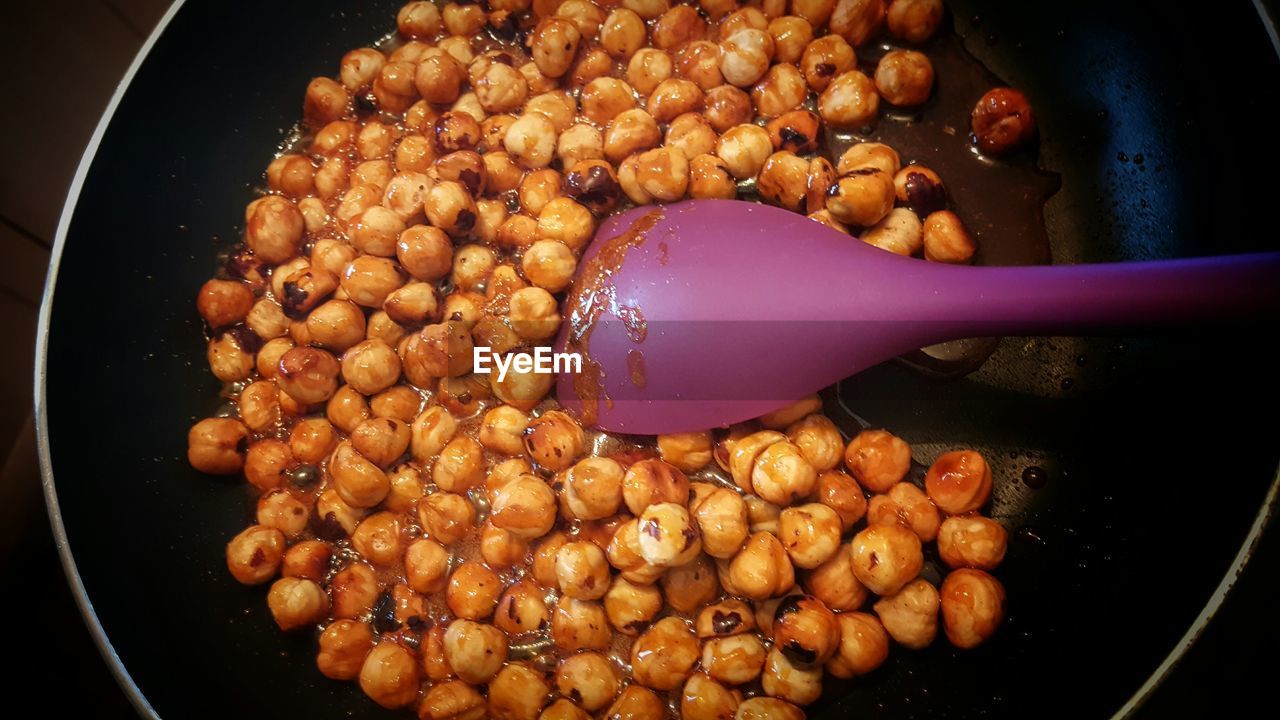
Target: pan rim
(116, 665)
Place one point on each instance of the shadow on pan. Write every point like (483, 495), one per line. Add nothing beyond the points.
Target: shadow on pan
(1158, 452)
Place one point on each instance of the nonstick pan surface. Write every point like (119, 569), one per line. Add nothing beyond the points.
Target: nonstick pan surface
(1160, 453)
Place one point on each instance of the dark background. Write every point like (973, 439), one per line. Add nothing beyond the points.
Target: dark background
(63, 60)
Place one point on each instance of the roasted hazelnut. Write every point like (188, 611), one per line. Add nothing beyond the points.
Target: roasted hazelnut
(426, 564)
(430, 432)
(946, 239)
(725, 618)
(689, 452)
(648, 68)
(797, 131)
(745, 56)
(460, 465)
(472, 591)
(863, 197)
(579, 625)
(856, 20)
(884, 558)
(331, 508)
(744, 149)
(972, 541)
(705, 699)
(524, 506)
(972, 607)
(593, 184)
(579, 143)
(899, 232)
(281, 510)
(920, 189)
(877, 459)
(630, 132)
(864, 645)
(589, 678)
(554, 440)
(456, 130)
(908, 506)
(343, 647)
(726, 106)
(474, 650)
(910, 615)
(563, 709)
(624, 553)
(406, 489)
(502, 430)
(517, 692)
(454, 699)
(959, 482)
(653, 481)
(354, 590)
(914, 20)
(904, 78)
(784, 679)
(522, 609)
(762, 569)
(266, 463)
(781, 90)
(699, 61)
(805, 630)
(768, 708)
(630, 606)
(784, 180)
(722, 520)
(217, 445)
(841, 493)
(850, 100)
(663, 656)
(743, 453)
(733, 659)
(622, 33)
(446, 517)
(810, 533)
(1002, 121)
(593, 488)
(781, 475)
(358, 481)
(254, 556)
(691, 585)
(389, 675)
(667, 535)
(224, 302)
(709, 177)
(835, 584)
(637, 703)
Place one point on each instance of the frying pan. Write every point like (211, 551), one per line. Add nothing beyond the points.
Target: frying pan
(1159, 453)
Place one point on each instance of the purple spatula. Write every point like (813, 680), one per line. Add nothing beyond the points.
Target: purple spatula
(708, 312)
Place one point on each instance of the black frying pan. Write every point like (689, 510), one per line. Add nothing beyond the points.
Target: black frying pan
(1159, 453)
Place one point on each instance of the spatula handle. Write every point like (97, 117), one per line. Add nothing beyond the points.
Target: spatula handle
(1083, 299)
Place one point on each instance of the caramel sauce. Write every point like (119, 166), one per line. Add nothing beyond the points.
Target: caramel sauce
(635, 366)
(592, 295)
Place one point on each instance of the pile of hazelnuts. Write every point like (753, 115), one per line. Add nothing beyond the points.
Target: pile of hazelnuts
(460, 544)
